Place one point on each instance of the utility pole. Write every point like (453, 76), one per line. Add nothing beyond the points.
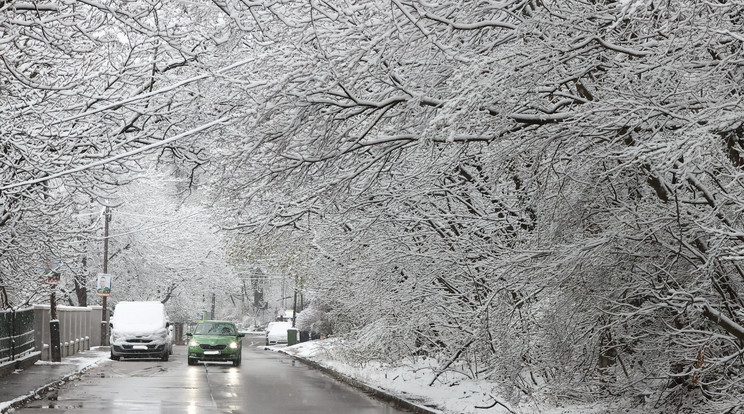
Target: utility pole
(212, 315)
(104, 311)
(294, 306)
(292, 333)
(243, 295)
(284, 296)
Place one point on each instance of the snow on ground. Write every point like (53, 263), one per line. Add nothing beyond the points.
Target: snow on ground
(5, 404)
(83, 360)
(412, 383)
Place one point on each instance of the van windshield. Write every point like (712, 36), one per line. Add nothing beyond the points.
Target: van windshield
(138, 316)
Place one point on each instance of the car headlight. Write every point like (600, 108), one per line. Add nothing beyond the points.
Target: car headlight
(193, 343)
(234, 345)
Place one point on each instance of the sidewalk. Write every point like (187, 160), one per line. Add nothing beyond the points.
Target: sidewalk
(21, 386)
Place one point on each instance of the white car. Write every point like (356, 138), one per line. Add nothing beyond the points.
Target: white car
(276, 332)
(140, 330)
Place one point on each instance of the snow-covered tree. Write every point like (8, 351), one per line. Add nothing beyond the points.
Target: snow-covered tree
(84, 88)
(541, 191)
(559, 179)
(163, 246)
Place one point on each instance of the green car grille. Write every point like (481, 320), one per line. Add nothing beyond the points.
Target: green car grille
(207, 346)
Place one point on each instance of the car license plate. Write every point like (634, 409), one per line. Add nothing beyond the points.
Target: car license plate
(139, 347)
(211, 352)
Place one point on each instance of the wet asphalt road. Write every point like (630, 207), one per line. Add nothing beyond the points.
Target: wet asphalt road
(265, 383)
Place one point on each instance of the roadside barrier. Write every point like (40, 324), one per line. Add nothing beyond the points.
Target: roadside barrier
(16, 334)
(79, 326)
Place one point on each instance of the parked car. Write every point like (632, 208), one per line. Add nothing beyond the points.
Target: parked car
(215, 341)
(267, 329)
(140, 330)
(276, 332)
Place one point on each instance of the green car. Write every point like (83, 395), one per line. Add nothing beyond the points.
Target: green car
(215, 341)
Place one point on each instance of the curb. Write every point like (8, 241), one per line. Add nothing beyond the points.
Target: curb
(21, 363)
(368, 389)
(41, 392)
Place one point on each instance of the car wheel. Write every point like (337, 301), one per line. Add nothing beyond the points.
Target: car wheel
(192, 361)
(114, 357)
(236, 363)
(165, 355)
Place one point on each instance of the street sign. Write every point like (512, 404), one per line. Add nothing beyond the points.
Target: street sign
(200, 316)
(52, 272)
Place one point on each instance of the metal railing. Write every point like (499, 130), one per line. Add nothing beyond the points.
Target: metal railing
(16, 333)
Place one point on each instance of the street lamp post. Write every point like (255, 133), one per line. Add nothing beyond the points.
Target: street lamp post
(54, 338)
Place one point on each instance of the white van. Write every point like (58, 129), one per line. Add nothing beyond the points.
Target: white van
(276, 332)
(140, 330)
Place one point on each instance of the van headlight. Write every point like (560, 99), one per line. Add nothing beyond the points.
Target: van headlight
(233, 345)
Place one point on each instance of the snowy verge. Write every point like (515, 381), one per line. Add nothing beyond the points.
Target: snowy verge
(82, 362)
(406, 402)
(415, 383)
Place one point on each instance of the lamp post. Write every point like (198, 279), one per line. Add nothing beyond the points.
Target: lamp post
(52, 279)
(54, 338)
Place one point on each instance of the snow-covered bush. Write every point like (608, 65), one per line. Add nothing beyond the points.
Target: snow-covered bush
(315, 321)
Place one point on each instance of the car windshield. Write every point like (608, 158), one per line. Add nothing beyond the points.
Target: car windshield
(210, 328)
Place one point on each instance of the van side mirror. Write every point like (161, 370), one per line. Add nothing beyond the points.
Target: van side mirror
(189, 334)
(167, 324)
(111, 325)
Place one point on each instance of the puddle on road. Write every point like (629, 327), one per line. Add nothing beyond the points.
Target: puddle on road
(51, 402)
(63, 407)
(133, 369)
